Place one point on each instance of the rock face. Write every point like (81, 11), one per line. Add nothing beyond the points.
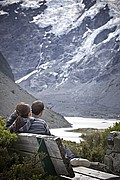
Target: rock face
(11, 94)
(66, 52)
(112, 157)
(5, 68)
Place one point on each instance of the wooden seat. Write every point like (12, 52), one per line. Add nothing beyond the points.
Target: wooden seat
(55, 162)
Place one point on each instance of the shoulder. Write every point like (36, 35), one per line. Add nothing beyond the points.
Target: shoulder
(29, 119)
(39, 120)
(14, 115)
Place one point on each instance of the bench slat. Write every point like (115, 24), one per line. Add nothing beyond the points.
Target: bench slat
(27, 143)
(95, 173)
(78, 177)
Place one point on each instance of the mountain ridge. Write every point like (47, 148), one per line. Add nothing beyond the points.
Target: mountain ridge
(67, 53)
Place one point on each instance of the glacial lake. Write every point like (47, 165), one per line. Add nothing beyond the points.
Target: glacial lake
(80, 122)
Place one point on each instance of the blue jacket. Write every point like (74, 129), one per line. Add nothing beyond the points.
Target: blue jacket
(11, 119)
(32, 125)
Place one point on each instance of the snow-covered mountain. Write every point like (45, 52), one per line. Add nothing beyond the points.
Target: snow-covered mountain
(65, 52)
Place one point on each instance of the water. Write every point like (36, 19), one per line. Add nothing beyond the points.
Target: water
(80, 122)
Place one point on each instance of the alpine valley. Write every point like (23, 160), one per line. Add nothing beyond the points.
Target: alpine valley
(65, 52)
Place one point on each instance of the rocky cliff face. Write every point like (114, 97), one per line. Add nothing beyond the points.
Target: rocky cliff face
(5, 68)
(66, 52)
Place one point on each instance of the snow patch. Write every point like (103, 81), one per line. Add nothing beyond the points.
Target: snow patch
(26, 77)
(3, 12)
(60, 15)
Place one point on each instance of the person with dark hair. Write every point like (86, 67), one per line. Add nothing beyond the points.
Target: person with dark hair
(23, 111)
(15, 121)
(37, 108)
(22, 121)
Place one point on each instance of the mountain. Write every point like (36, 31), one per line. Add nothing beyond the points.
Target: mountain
(5, 68)
(66, 52)
(11, 94)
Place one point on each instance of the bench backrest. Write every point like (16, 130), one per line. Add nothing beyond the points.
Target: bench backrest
(55, 162)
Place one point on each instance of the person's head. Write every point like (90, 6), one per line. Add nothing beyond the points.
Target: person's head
(37, 107)
(23, 110)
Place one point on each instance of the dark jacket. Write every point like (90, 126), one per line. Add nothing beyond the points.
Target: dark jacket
(35, 126)
(10, 121)
(32, 125)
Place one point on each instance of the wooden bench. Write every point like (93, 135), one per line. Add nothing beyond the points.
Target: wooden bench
(55, 162)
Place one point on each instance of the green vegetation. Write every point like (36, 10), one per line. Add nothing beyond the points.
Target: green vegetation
(13, 166)
(94, 145)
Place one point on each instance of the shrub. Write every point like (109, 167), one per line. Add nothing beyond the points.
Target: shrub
(94, 145)
(6, 138)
